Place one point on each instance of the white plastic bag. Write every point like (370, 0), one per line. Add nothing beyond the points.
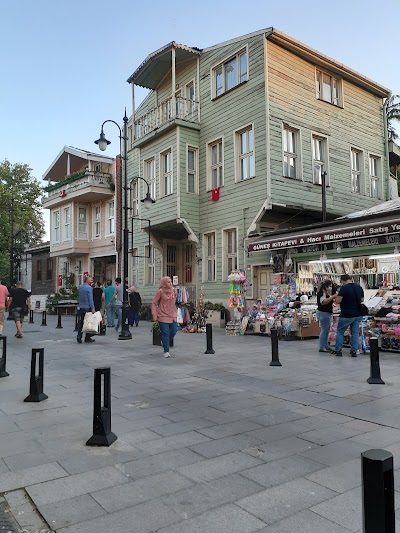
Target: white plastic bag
(91, 323)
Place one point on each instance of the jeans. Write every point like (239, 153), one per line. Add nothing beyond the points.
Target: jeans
(118, 308)
(168, 332)
(110, 310)
(343, 324)
(325, 321)
(133, 317)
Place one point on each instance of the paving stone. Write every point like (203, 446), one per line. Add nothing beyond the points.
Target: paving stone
(305, 522)
(140, 435)
(378, 438)
(29, 519)
(280, 431)
(16, 498)
(345, 509)
(226, 430)
(279, 502)
(215, 448)
(340, 478)
(71, 511)
(218, 466)
(336, 452)
(172, 443)
(30, 476)
(182, 427)
(4, 467)
(278, 449)
(25, 460)
(329, 434)
(17, 442)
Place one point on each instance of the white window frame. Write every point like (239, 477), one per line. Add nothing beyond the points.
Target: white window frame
(56, 226)
(377, 178)
(80, 236)
(319, 88)
(67, 223)
(297, 154)
(96, 226)
(355, 172)
(226, 254)
(111, 218)
(247, 155)
(209, 257)
(149, 265)
(190, 103)
(219, 166)
(222, 66)
(323, 162)
(66, 272)
(168, 175)
(134, 188)
(150, 175)
(135, 267)
(193, 171)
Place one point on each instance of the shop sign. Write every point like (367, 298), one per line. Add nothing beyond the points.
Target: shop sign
(366, 231)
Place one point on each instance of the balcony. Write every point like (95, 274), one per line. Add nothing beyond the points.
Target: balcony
(88, 186)
(165, 114)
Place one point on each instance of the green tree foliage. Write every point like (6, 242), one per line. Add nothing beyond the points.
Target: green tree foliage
(393, 115)
(17, 182)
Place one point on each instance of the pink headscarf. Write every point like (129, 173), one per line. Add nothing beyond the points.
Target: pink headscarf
(164, 285)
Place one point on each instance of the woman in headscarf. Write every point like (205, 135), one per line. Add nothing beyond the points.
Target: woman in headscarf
(135, 303)
(163, 309)
(325, 299)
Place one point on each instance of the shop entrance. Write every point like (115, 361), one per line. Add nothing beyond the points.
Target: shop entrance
(263, 281)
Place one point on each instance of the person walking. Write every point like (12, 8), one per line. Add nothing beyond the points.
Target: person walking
(349, 297)
(98, 296)
(109, 301)
(135, 303)
(86, 305)
(3, 304)
(163, 309)
(325, 300)
(118, 296)
(19, 306)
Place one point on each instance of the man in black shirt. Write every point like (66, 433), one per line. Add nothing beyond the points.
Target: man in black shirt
(19, 306)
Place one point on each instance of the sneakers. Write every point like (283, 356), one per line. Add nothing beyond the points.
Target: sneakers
(167, 354)
(325, 350)
(353, 353)
(337, 353)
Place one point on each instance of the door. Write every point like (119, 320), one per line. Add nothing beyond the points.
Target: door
(263, 282)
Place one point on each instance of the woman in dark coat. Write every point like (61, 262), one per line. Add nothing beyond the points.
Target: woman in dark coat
(135, 303)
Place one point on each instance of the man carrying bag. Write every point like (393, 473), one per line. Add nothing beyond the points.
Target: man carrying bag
(86, 305)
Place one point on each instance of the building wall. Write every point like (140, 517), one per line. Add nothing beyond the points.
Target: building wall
(43, 284)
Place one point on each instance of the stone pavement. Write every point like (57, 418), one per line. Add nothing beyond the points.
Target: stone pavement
(206, 443)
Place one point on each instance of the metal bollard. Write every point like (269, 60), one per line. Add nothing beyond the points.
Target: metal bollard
(102, 435)
(274, 348)
(3, 359)
(76, 322)
(209, 339)
(31, 317)
(375, 377)
(36, 393)
(44, 318)
(377, 491)
(59, 326)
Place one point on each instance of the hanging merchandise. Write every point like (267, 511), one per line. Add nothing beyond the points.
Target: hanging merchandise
(237, 289)
(182, 302)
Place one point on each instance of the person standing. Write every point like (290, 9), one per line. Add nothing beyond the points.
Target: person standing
(163, 309)
(118, 296)
(19, 306)
(86, 305)
(109, 300)
(98, 296)
(3, 304)
(349, 297)
(325, 300)
(135, 302)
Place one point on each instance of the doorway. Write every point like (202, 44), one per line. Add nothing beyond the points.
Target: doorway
(263, 279)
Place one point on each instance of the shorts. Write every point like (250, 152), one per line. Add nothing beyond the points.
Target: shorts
(2, 309)
(17, 314)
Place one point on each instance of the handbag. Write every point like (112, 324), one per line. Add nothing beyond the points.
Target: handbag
(91, 323)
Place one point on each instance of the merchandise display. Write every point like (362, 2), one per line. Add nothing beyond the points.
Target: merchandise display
(237, 290)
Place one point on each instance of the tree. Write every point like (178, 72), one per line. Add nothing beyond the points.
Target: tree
(392, 114)
(20, 195)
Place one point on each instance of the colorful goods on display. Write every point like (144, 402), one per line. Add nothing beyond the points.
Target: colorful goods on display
(237, 291)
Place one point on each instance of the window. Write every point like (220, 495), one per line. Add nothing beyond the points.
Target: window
(320, 158)
(67, 224)
(49, 274)
(356, 170)
(135, 197)
(96, 222)
(291, 146)
(230, 256)
(79, 268)
(39, 270)
(150, 176)
(111, 218)
(245, 149)
(230, 73)
(82, 224)
(166, 173)
(215, 176)
(190, 103)
(209, 263)
(188, 255)
(328, 88)
(172, 269)
(192, 170)
(374, 174)
(66, 275)
(149, 265)
(135, 267)
(56, 226)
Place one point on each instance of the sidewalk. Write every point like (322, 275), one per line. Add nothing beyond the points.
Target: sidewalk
(218, 443)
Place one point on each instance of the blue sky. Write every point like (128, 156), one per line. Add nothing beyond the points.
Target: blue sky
(64, 64)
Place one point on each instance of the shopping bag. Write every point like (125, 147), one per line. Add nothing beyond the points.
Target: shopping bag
(91, 323)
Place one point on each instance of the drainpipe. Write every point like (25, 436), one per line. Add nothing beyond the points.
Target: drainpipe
(387, 166)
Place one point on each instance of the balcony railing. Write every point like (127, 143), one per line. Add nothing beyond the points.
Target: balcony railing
(78, 182)
(164, 113)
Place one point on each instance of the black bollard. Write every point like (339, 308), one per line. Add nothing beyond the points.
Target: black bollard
(36, 393)
(102, 435)
(274, 347)
(209, 339)
(76, 322)
(377, 491)
(59, 326)
(375, 377)
(3, 359)
(44, 318)
(31, 317)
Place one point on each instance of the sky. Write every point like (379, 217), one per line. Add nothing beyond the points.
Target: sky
(64, 64)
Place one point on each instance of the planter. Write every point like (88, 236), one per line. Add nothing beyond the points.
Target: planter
(156, 339)
(216, 318)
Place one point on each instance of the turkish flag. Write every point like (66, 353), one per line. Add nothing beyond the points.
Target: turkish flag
(215, 194)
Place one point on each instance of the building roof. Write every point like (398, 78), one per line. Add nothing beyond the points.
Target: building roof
(384, 207)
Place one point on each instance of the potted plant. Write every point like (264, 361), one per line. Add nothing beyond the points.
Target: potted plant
(156, 331)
